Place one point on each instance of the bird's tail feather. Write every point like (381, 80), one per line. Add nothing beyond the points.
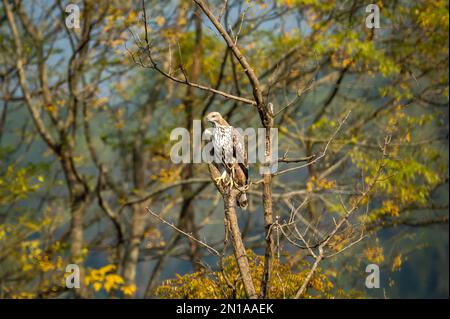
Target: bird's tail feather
(242, 200)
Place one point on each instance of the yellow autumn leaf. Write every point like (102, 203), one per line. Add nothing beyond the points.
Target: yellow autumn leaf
(182, 21)
(115, 279)
(346, 62)
(27, 267)
(99, 102)
(119, 125)
(397, 263)
(289, 3)
(96, 275)
(374, 254)
(408, 137)
(52, 109)
(109, 286)
(160, 20)
(132, 16)
(129, 290)
(97, 286)
(46, 266)
(107, 268)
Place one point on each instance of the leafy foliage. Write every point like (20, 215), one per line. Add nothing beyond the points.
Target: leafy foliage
(285, 283)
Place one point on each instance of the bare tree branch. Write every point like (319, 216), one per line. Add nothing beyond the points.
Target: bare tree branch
(171, 225)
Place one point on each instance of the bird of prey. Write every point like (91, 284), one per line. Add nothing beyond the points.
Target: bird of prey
(230, 156)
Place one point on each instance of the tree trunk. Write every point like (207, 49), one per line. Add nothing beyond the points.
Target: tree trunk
(79, 200)
(268, 215)
(139, 215)
(187, 216)
(238, 245)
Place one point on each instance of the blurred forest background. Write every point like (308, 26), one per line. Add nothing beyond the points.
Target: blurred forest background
(85, 148)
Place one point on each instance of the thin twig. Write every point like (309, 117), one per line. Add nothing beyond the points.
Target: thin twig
(324, 152)
(171, 225)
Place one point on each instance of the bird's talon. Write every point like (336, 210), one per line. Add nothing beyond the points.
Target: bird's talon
(222, 179)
